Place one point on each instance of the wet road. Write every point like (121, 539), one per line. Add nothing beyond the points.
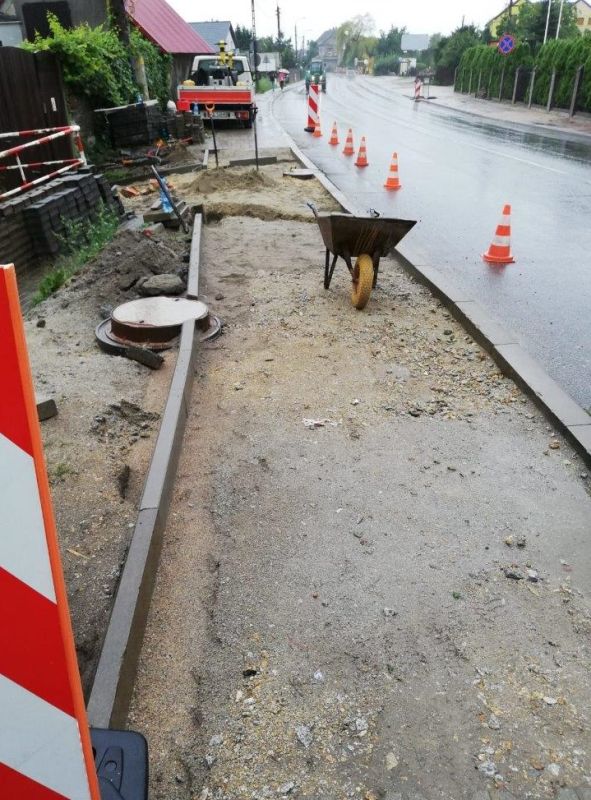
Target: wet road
(457, 171)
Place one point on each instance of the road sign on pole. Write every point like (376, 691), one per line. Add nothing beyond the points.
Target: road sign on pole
(506, 44)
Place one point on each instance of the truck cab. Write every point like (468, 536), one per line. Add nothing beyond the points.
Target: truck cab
(214, 71)
(220, 87)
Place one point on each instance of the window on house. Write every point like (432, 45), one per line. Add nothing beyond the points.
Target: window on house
(580, 20)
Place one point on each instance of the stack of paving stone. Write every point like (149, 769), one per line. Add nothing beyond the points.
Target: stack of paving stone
(32, 223)
(132, 126)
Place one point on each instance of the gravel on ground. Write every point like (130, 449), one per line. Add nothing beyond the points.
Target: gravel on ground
(374, 580)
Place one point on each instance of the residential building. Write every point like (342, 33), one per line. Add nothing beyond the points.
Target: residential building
(583, 15)
(33, 14)
(216, 31)
(494, 24)
(327, 49)
(11, 32)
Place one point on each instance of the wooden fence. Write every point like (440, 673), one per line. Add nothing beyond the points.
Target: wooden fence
(31, 96)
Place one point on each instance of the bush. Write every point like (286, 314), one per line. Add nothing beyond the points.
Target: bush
(385, 65)
(96, 65)
(264, 85)
(157, 64)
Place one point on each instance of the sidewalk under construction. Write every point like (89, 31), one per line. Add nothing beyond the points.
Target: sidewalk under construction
(373, 582)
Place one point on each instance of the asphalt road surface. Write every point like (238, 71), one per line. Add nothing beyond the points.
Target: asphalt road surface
(457, 172)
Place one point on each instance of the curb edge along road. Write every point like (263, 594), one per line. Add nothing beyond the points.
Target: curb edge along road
(112, 688)
(565, 414)
(536, 128)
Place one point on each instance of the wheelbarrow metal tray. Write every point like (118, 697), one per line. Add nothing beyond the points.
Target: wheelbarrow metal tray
(346, 235)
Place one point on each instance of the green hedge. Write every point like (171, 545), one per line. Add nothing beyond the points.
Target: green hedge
(564, 55)
(489, 63)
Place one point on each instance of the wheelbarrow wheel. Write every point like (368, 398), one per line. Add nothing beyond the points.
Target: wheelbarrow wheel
(362, 281)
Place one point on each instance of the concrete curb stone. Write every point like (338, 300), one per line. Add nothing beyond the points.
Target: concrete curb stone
(112, 689)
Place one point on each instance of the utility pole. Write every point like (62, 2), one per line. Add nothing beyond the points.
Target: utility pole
(559, 18)
(279, 34)
(254, 42)
(295, 30)
(547, 21)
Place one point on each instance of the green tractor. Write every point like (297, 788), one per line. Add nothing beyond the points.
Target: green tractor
(316, 73)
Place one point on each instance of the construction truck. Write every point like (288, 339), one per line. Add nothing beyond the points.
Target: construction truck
(220, 88)
(316, 73)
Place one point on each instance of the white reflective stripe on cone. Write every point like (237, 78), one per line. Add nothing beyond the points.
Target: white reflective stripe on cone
(23, 546)
(41, 742)
(502, 241)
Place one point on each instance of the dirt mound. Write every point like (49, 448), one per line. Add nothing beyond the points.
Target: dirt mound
(217, 211)
(131, 256)
(221, 180)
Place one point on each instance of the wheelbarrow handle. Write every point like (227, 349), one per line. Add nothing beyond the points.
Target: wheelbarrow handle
(313, 207)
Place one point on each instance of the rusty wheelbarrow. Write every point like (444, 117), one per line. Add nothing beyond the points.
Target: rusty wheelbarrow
(366, 239)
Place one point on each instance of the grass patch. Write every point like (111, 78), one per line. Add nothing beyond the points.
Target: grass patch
(59, 472)
(264, 85)
(81, 240)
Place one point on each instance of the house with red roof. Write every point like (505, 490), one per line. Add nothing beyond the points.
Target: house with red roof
(161, 24)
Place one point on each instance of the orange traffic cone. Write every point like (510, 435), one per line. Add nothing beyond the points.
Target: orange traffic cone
(500, 250)
(362, 155)
(317, 132)
(334, 136)
(392, 181)
(349, 148)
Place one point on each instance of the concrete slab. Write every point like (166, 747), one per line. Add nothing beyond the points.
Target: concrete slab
(529, 375)
(478, 322)
(194, 258)
(444, 289)
(46, 407)
(250, 162)
(583, 435)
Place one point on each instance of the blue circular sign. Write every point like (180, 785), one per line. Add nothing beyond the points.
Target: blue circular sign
(506, 44)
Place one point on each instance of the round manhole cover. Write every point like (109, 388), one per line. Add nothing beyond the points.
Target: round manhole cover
(155, 320)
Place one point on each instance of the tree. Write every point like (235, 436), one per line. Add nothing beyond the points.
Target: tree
(390, 43)
(349, 35)
(243, 38)
(452, 48)
(529, 23)
(313, 51)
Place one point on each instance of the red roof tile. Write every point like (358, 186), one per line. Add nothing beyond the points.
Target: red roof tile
(162, 25)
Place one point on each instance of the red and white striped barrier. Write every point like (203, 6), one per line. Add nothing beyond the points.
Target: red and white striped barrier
(54, 133)
(45, 749)
(35, 132)
(313, 104)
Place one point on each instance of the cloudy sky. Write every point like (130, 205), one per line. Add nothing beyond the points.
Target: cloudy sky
(314, 16)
